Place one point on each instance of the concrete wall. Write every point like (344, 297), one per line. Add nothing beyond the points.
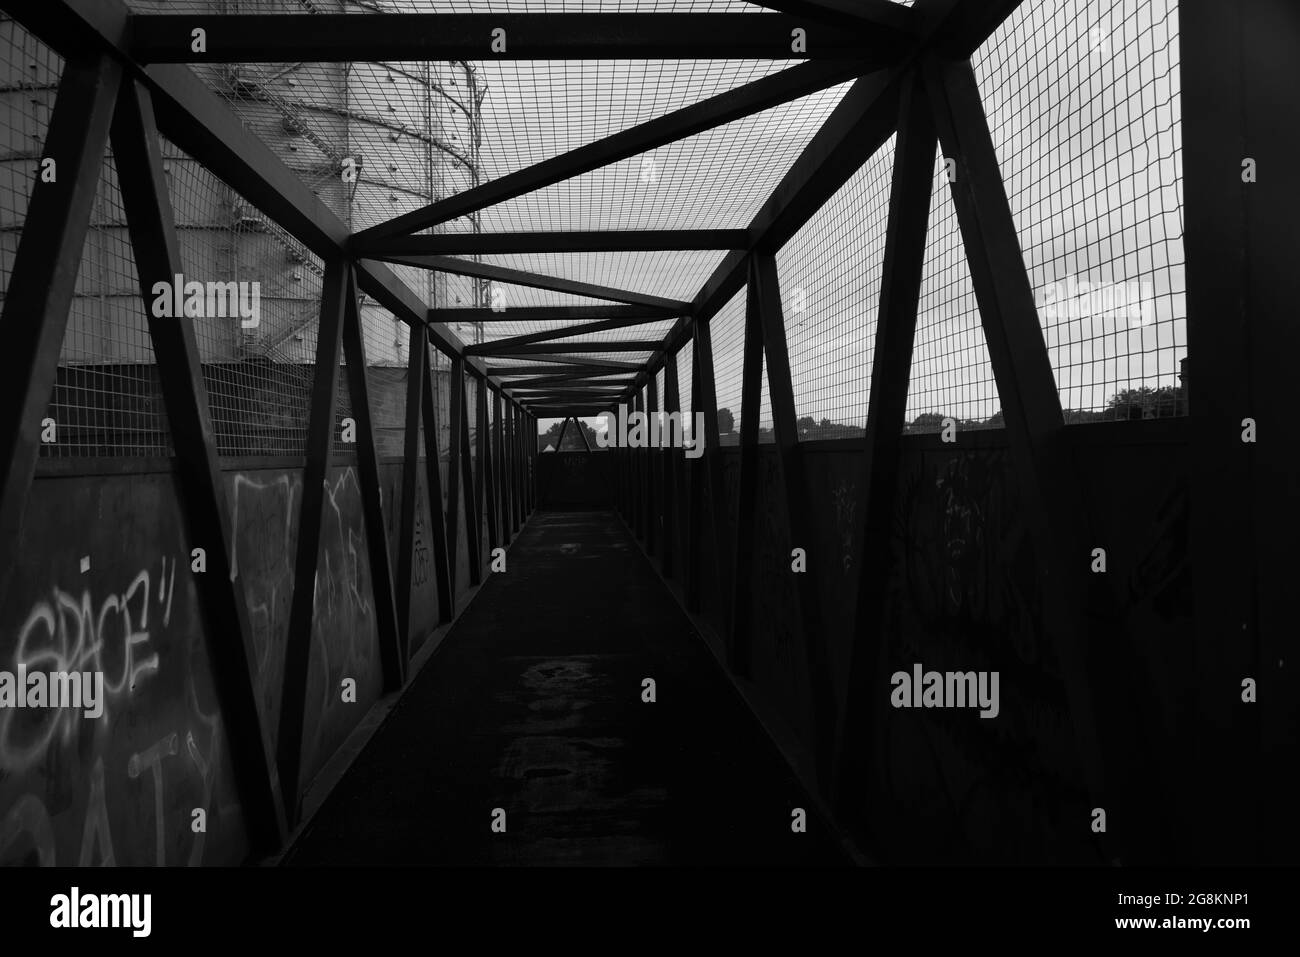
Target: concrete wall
(963, 594)
(575, 478)
(121, 788)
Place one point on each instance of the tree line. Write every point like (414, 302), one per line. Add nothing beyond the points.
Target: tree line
(1144, 402)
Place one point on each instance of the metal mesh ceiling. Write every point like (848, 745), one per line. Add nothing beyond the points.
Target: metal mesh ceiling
(669, 274)
(715, 179)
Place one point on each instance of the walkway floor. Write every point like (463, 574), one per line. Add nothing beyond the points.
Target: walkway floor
(533, 704)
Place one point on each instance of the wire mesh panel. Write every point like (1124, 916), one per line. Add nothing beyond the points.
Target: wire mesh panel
(727, 329)
(534, 110)
(684, 380)
(766, 429)
(1082, 98)
(258, 363)
(951, 373)
(441, 367)
(671, 274)
(387, 341)
(107, 400)
(29, 80)
(471, 410)
(830, 292)
(715, 179)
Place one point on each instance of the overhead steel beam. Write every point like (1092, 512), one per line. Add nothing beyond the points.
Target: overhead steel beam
(565, 395)
(505, 372)
(560, 348)
(556, 241)
(345, 38)
(782, 87)
(852, 14)
(70, 26)
(545, 411)
(520, 277)
(562, 333)
(566, 364)
(553, 314)
(533, 392)
(570, 379)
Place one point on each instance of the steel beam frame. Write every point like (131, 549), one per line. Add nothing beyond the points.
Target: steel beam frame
(520, 277)
(791, 84)
(765, 287)
(911, 188)
(43, 279)
(152, 229)
(548, 335)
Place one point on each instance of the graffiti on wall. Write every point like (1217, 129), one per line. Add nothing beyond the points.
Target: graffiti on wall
(122, 787)
(265, 507)
(344, 629)
(844, 501)
(120, 598)
(264, 515)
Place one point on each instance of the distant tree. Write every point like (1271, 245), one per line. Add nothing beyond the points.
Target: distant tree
(726, 421)
(928, 420)
(806, 426)
(572, 440)
(1146, 403)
